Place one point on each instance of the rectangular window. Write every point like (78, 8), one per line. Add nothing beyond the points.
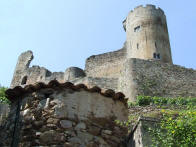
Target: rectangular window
(156, 56)
(136, 29)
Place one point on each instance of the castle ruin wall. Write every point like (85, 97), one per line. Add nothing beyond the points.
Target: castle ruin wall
(155, 78)
(22, 65)
(106, 65)
(104, 83)
(25, 75)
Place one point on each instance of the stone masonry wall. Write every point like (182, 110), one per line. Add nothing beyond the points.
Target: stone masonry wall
(22, 65)
(65, 115)
(4, 110)
(104, 83)
(105, 65)
(40, 74)
(140, 135)
(155, 78)
(25, 75)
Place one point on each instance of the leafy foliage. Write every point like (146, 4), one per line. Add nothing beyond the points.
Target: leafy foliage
(148, 100)
(178, 120)
(176, 131)
(3, 98)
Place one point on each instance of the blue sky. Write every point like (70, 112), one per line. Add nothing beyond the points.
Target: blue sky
(63, 33)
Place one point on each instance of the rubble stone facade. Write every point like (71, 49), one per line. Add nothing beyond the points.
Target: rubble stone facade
(64, 115)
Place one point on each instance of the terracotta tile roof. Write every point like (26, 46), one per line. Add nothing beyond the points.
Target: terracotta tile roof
(19, 91)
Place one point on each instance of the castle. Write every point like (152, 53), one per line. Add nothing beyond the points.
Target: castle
(79, 107)
(142, 67)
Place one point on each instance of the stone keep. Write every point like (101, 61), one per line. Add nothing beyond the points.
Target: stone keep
(143, 66)
(147, 34)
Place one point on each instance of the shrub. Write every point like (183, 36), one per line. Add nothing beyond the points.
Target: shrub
(176, 131)
(143, 100)
(147, 100)
(3, 98)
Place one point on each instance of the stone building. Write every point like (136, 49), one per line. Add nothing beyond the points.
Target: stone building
(48, 110)
(64, 115)
(147, 34)
(142, 67)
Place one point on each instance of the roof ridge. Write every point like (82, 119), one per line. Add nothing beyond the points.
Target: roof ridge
(16, 92)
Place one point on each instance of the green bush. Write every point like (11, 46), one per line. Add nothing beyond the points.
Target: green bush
(147, 100)
(159, 101)
(3, 98)
(143, 100)
(175, 131)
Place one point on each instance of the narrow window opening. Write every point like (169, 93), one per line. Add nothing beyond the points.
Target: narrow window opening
(136, 29)
(158, 56)
(24, 80)
(155, 45)
(154, 55)
(137, 45)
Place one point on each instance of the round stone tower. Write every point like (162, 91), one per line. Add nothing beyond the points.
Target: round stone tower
(147, 34)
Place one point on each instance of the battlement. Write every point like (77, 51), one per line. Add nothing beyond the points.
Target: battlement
(147, 6)
(144, 11)
(139, 9)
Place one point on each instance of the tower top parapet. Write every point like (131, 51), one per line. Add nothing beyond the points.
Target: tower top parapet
(144, 11)
(148, 7)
